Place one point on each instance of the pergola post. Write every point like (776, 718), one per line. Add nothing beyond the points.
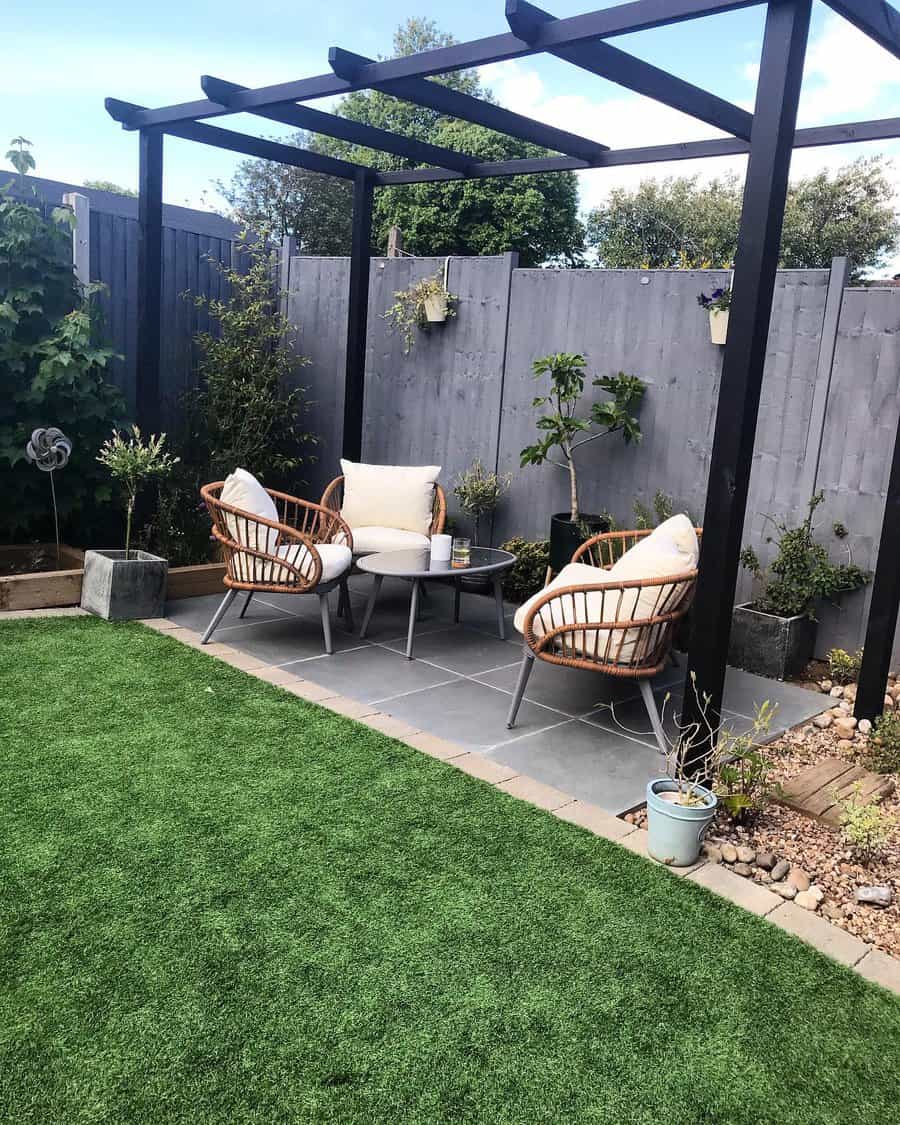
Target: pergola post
(149, 279)
(885, 603)
(765, 191)
(357, 315)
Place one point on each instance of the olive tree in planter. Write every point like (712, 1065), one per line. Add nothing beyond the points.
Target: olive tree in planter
(130, 583)
(774, 634)
(479, 492)
(561, 429)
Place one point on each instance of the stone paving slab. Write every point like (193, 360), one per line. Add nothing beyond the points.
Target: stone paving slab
(880, 968)
(595, 820)
(751, 896)
(818, 931)
(535, 792)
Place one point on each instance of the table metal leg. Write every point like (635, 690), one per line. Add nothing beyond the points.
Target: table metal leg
(457, 592)
(377, 579)
(498, 598)
(413, 613)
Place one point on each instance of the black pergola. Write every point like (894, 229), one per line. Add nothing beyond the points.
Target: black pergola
(767, 136)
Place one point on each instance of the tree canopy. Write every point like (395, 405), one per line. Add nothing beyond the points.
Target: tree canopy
(536, 215)
(677, 221)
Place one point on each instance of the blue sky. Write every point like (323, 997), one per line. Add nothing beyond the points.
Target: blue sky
(60, 60)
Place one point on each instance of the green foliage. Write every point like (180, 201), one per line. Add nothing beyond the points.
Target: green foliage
(479, 492)
(244, 411)
(534, 215)
(52, 372)
(662, 509)
(178, 527)
(108, 185)
(843, 667)
(561, 426)
(883, 750)
(667, 224)
(801, 573)
(19, 156)
(408, 312)
(865, 826)
(132, 462)
(742, 779)
(530, 569)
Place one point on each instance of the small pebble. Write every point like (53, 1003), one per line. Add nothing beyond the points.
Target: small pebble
(785, 890)
(807, 900)
(765, 860)
(823, 721)
(816, 891)
(729, 853)
(864, 726)
(874, 896)
(743, 869)
(745, 854)
(845, 726)
(836, 692)
(798, 879)
(826, 685)
(713, 853)
(781, 868)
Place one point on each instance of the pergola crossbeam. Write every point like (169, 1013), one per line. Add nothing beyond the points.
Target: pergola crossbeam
(527, 20)
(331, 125)
(874, 18)
(454, 103)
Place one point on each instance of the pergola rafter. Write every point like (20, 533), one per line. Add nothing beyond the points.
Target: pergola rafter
(766, 137)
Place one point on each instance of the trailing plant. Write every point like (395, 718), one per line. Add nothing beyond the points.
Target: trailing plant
(528, 573)
(801, 573)
(52, 367)
(561, 427)
(843, 667)
(131, 462)
(883, 750)
(244, 411)
(479, 492)
(865, 826)
(719, 300)
(408, 313)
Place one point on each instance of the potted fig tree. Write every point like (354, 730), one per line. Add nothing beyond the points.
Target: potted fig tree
(561, 429)
(774, 634)
(132, 583)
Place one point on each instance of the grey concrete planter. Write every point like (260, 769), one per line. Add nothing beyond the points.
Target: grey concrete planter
(777, 647)
(117, 588)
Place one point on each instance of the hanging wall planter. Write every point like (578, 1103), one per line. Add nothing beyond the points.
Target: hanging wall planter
(717, 305)
(426, 303)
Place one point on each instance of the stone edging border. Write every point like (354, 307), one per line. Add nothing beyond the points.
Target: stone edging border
(869, 962)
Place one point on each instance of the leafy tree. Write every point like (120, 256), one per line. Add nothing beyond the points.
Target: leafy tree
(52, 370)
(536, 215)
(108, 185)
(678, 221)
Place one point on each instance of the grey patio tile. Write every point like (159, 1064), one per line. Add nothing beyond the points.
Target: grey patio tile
(630, 717)
(287, 639)
(459, 649)
(571, 690)
(372, 673)
(467, 713)
(196, 613)
(587, 761)
(743, 691)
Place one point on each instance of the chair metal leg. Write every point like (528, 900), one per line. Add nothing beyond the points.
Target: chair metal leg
(348, 608)
(457, 593)
(652, 711)
(377, 579)
(413, 614)
(522, 682)
(218, 615)
(246, 603)
(343, 599)
(498, 598)
(326, 622)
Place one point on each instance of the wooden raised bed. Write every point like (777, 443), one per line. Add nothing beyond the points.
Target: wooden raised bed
(194, 581)
(40, 589)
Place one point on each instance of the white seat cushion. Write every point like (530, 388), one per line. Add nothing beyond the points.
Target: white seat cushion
(669, 550)
(242, 490)
(369, 540)
(394, 496)
(335, 558)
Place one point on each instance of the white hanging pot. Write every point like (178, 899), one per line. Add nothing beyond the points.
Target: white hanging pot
(718, 325)
(436, 308)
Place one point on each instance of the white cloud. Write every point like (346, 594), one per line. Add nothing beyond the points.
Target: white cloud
(846, 75)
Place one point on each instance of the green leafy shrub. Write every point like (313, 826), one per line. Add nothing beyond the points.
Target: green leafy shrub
(479, 492)
(530, 570)
(244, 411)
(883, 749)
(742, 768)
(865, 826)
(801, 573)
(843, 667)
(52, 373)
(131, 462)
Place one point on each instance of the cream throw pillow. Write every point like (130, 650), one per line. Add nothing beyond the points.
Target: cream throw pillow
(242, 490)
(394, 496)
(671, 549)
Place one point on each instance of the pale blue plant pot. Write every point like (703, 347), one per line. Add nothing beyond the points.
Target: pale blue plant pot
(675, 832)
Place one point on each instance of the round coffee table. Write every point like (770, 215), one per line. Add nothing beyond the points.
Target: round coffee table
(418, 566)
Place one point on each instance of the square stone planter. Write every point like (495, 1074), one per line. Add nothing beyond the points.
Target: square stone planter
(772, 646)
(118, 589)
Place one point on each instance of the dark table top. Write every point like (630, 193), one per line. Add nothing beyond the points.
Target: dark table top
(417, 563)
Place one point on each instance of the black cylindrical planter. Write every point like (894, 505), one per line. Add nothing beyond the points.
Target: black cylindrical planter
(566, 537)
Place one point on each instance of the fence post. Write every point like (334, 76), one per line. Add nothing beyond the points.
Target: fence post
(395, 242)
(512, 263)
(81, 235)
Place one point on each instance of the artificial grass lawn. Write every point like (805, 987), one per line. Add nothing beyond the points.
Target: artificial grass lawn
(223, 904)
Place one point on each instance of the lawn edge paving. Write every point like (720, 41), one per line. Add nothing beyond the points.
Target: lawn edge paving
(812, 929)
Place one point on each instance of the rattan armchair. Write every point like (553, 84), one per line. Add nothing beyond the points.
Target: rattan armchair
(333, 496)
(290, 556)
(613, 637)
